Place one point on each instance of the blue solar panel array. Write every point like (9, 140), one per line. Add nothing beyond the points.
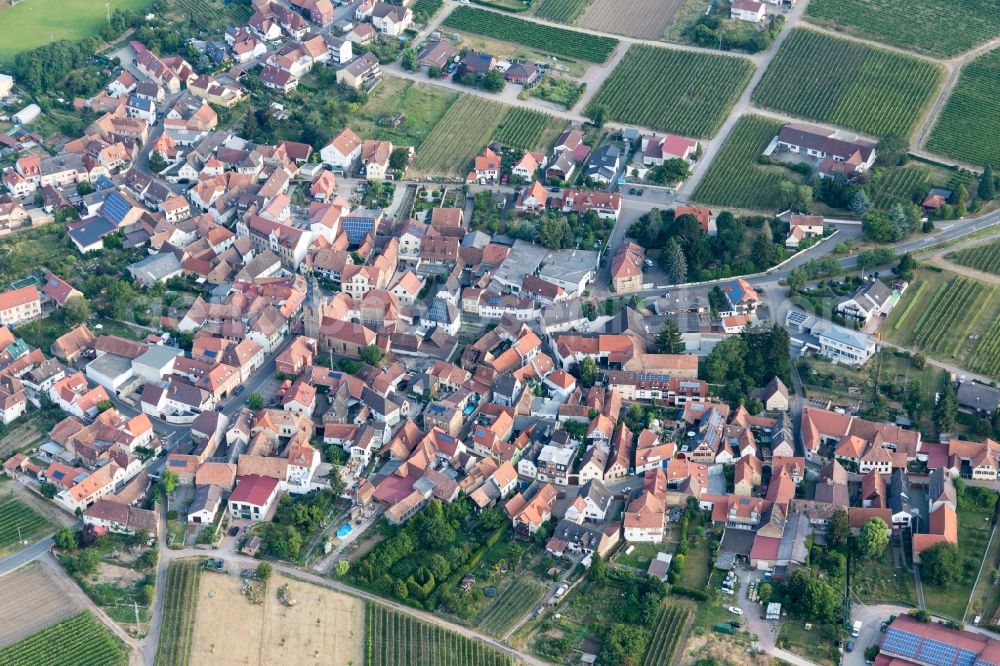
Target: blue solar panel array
(357, 228)
(926, 650)
(115, 208)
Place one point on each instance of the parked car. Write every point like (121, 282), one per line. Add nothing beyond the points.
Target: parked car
(239, 389)
(735, 610)
(561, 590)
(233, 531)
(649, 263)
(849, 646)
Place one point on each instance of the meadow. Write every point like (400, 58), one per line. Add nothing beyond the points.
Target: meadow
(848, 84)
(674, 91)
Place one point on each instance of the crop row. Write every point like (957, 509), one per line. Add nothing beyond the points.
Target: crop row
(564, 11)
(909, 306)
(986, 359)
(734, 178)
(397, 639)
(898, 186)
(968, 128)
(666, 635)
(514, 604)
(179, 605)
(982, 258)
(78, 641)
(674, 91)
(460, 134)
(847, 83)
(904, 22)
(18, 520)
(521, 128)
(558, 41)
(950, 311)
(426, 9)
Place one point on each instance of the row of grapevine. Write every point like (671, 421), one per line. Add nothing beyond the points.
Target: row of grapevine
(904, 22)
(462, 132)
(521, 128)
(398, 639)
(982, 257)
(898, 186)
(674, 91)
(18, 520)
(849, 84)
(515, 603)
(734, 178)
(666, 637)
(179, 605)
(986, 358)
(949, 314)
(559, 41)
(909, 306)
(425, 10)
(78, 641)
(564, 11)
(968, 128)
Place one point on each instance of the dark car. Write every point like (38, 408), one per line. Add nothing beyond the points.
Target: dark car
(239, 389)
(233, 531)
(849, 646)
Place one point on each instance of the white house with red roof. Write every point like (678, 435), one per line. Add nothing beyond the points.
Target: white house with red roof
(253, 497)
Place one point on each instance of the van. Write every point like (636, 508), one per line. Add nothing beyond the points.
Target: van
(856, 629)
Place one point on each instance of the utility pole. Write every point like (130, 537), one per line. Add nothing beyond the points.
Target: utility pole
(107, 7)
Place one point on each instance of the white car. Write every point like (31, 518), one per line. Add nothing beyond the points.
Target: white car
(735, 610)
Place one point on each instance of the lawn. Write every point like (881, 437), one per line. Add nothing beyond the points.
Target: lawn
(968, 128)
(642, 554)
(848, 84)
(421, 105)
(903, 23)
(973, 535)
(953, 318)
(674, 91)
(34, 23)
(734, 178)
(461, 133)
(20, 521)
(24, 252)
(809, 643)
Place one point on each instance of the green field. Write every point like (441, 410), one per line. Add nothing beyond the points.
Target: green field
(734, 178)
(421, 105)
(904, 23)
(674, 91)
(849, 84)
(396, 638)
(179, 605)
(78, 641)
(984, 258)
(516, 602)
(18, 520)
(952, 318)
(558, 41)
(968, 128)
(424, 10)
(564, 11)
(32, 23)
(524, 128)
(459, 135)
(898, 185)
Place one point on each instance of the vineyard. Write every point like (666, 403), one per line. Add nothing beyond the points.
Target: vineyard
(984, 258)
(16, 515)
(462, 132)
(558, 41)
(968, 128)
(78, 641)
(943, 326)
(564, 11)
(674, 91)
(666, 637)
(513, 605)
(212, 12)
(908, 310)
(734, 178)
(846, 83)
(897, 186)
(986, 358)
(903, 22)
(425, 10)
(393, 638)
(179, 607)
(522, 128)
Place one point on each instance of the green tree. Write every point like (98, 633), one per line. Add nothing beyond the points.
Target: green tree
(76, 311)
(586, 371)
(409, 59)
(49, 490)
(892, 151)
(371, 354)
(87, 561)
(765, 592)
(400, 590)
(264, 571)
(987, 190)
(169, 481)
(907, 265)
(838, 531)
(669, 340)
(860, 203)
(946, 410)
(873, 538)
(670, 171)
(148, 593)
(342, 568)
(493, 81)
(399, 159)
(673, 262)
(878, 227)
(64, 539)
(337, 483)
(255, 401)
(941, 564)
(624, 644)
(598, 115)
(156, 162)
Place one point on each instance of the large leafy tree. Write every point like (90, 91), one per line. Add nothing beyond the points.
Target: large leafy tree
(940, 564)
(874, 537)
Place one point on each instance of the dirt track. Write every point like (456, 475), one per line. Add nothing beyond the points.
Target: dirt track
(31, 599)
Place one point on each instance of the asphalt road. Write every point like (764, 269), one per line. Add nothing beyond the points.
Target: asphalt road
(22, 557)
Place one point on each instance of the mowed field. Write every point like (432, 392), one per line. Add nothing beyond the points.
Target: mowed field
(323, 627)
(734, 177)
(950, 317)
(674, 91)
(32, 23)
(30, 600)
(968, 128)
(848, 84)
(645, 19)
(903, 23)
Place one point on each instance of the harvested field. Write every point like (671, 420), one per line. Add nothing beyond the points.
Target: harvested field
(31, 599)
(323, 627)
(643, 19)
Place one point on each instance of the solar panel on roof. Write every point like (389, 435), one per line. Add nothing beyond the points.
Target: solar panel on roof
(115, 208)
